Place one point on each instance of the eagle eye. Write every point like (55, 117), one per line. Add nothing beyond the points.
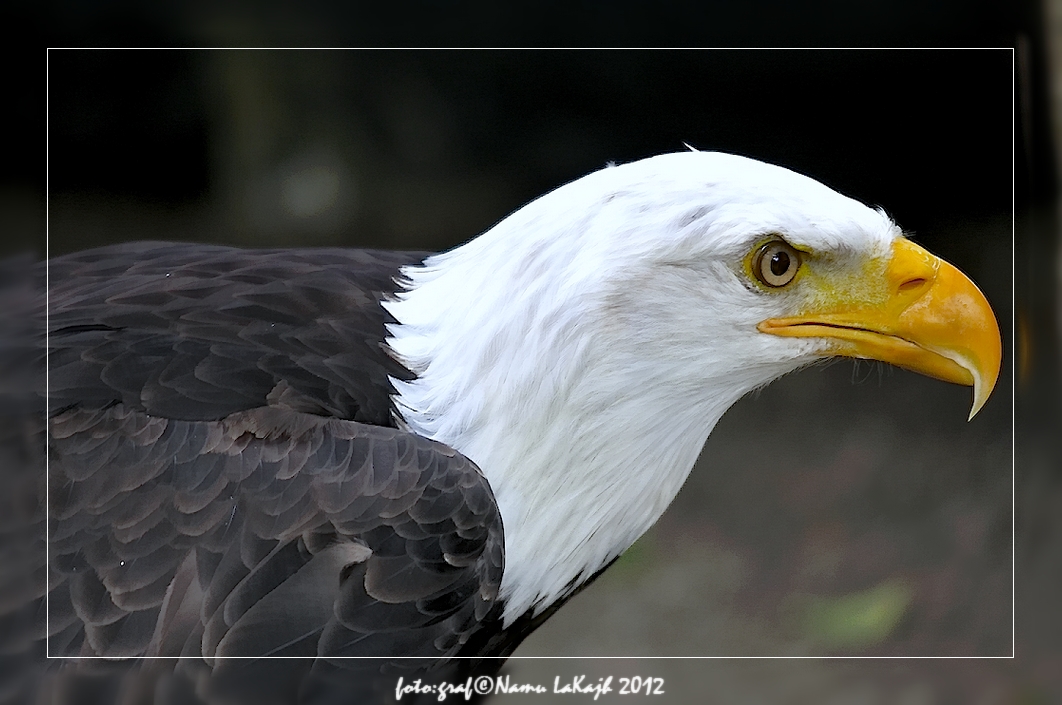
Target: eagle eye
(776, 264)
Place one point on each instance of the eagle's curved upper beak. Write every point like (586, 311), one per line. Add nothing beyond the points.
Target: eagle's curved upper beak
(930, 319)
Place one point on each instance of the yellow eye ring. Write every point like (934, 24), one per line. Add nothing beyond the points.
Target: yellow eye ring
(776, 264)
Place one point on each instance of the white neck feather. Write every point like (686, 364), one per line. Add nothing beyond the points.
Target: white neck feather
(549, 357)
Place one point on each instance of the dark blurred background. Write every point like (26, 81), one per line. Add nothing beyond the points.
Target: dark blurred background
(428, 148)
(847, 510)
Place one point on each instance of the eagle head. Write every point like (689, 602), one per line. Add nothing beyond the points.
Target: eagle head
(582, 349)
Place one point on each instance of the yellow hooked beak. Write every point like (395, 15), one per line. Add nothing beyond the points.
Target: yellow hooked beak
(929, 318)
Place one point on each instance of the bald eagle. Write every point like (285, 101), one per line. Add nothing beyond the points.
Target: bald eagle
(377, 464)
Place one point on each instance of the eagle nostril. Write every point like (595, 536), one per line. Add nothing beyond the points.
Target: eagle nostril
(912, 284)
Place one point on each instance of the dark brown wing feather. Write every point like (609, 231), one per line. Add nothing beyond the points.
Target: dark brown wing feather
(196, 333)
(267, 533)
(223, 483)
